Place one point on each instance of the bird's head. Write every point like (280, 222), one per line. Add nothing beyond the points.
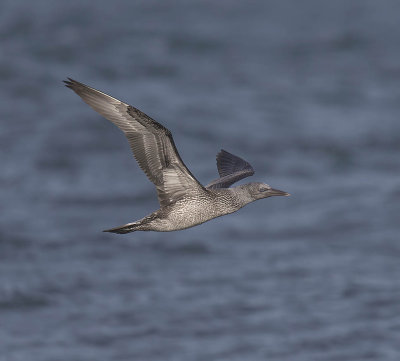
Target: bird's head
(258, 190)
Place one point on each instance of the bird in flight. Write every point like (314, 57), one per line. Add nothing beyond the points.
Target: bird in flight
(184, 202)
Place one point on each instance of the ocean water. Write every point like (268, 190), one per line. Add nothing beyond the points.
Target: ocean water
(307, 92)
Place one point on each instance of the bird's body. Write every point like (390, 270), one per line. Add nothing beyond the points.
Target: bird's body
(184, 202)
(189, 211)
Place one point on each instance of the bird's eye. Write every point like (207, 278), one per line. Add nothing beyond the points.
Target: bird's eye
(263, 189)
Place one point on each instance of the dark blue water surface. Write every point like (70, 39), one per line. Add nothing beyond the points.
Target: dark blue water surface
(306, 91)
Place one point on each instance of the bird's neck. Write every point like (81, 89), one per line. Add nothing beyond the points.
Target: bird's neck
(242, 195)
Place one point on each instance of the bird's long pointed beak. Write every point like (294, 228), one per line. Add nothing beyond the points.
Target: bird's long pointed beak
(277, 192)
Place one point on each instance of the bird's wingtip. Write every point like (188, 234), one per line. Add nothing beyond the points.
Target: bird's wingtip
(70, 82)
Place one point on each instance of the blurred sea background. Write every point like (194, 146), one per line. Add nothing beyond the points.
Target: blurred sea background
(308, 92)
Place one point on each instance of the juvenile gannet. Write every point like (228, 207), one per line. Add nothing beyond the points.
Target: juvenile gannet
(184, 202)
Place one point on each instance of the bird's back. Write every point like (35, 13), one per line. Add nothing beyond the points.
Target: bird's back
(194, 209)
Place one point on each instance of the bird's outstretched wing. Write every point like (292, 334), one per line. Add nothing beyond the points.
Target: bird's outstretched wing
(231, 169)
(152, 144)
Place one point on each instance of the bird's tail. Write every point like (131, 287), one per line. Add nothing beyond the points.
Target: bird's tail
(127, 228)
(143, 224)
